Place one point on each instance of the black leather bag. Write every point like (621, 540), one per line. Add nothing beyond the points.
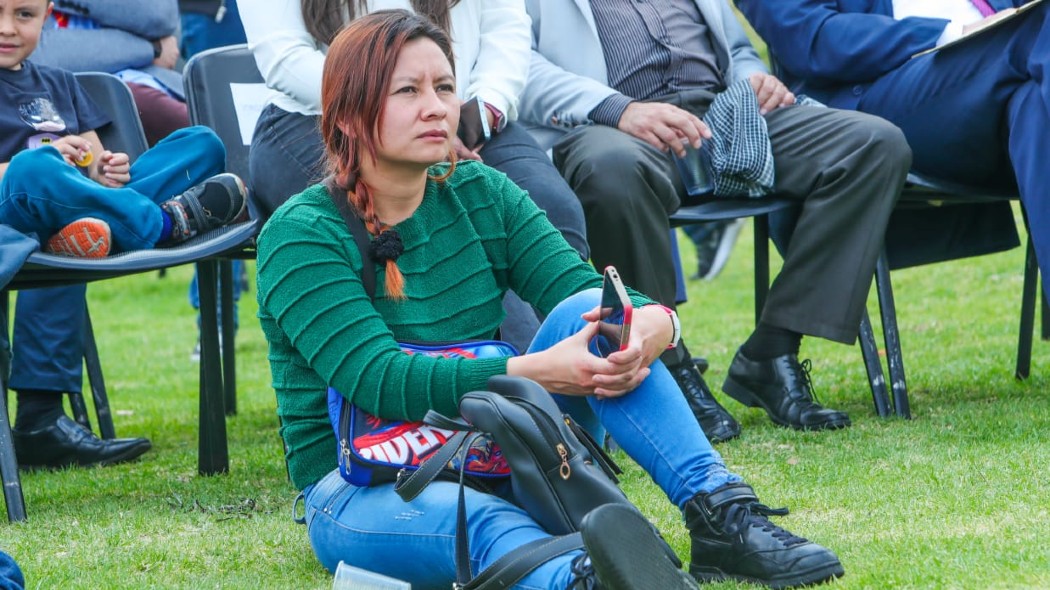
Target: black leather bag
(557, 472)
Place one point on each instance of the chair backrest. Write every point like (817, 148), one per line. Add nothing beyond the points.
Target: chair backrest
(124, 133)
(226, 92)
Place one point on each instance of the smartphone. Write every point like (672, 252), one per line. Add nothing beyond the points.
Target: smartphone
(473, 123)
(614, 324)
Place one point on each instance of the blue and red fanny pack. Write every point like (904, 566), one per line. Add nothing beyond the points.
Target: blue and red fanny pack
(373, 450)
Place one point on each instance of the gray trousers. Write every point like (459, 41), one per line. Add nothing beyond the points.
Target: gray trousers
(845, 168)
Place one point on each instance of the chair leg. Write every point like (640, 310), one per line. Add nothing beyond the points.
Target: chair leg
(229, 365)
(1028, 294)
(869, 349)
(96, 382)
(12, 481)
(894, 356)
(1044, 315)
(761, 231)
(212, 455)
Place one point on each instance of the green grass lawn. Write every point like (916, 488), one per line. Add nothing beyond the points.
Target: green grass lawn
(958, 497)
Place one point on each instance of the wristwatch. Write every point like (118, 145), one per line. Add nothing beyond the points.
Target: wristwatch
(676, 326)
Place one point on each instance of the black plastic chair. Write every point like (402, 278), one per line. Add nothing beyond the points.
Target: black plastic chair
(926, 191)
(45, 270)
(718, 209)
(210, 79)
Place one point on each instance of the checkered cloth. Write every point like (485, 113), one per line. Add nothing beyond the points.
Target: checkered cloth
(740, 150)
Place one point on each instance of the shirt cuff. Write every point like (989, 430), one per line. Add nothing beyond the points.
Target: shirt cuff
(952, 31)
(609, 111)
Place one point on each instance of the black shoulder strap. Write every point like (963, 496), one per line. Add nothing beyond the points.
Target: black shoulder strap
(358, 230)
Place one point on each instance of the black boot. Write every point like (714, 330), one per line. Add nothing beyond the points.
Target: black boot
(64, 443)
(716, 422)
(625, 552)
(782, 387)
(732, 538)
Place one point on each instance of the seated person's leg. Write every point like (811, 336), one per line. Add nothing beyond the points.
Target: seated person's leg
(161, 113)
(286, 156)
(627, 190)
(847, 168)
(652, 425)
(47, 363)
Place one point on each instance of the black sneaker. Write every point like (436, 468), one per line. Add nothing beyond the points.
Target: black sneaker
(625, 552)
(733, 539)
(216, 202)
(714, 242)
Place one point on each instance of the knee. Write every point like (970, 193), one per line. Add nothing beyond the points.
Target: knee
(35, 163)
(206, 145)
(574, 305)
(887, 142)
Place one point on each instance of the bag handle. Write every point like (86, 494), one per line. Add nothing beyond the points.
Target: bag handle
(358, 230)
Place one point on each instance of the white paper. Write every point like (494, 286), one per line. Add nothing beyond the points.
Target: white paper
(248, 102)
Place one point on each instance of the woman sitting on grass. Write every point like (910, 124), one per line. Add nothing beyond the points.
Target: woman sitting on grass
(468, 234)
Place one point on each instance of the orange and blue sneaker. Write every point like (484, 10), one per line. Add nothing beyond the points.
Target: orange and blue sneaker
(87, 237)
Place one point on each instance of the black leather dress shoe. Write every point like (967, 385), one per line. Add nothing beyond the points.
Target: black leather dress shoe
(782, 387)
(716, 422)
(732, 538)
(65, 443)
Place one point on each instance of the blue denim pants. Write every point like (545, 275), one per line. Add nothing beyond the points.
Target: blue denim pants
(41, 193)
(373, 528)
(47, 341)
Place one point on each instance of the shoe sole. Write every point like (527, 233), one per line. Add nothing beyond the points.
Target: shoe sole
(742, 394)
(812, 577)
(725, 248)
(627, 553)
(84, 238)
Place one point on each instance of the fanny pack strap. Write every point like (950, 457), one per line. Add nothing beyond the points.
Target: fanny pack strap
(358, 230)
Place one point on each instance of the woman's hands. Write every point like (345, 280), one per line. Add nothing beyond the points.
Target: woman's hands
(570, 368)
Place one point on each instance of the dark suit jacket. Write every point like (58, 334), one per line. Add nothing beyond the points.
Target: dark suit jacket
(832, 49)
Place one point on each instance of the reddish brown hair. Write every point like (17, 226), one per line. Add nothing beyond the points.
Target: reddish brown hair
(354, 85)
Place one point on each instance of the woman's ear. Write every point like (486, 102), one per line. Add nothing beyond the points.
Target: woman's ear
(346, 130)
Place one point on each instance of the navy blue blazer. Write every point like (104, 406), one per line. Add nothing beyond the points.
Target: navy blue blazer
(832, 49)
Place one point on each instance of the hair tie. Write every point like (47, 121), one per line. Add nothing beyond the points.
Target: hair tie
(386, 246)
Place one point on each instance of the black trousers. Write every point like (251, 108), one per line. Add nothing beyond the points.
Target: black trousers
(845, 168)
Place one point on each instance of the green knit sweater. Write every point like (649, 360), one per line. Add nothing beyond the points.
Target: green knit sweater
(473, 237)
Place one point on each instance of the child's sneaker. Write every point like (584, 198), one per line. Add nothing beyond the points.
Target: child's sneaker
(84, 238)
(216, 202)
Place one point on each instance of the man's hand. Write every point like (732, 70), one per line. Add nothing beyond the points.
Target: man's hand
(169, 52)
(663, 126)
(771, 92)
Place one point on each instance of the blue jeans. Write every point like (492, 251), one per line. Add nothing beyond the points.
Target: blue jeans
(374, 529)
(183, 159)
(47, 341)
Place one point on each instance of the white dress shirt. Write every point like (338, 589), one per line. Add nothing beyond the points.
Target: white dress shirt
(959, 12)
